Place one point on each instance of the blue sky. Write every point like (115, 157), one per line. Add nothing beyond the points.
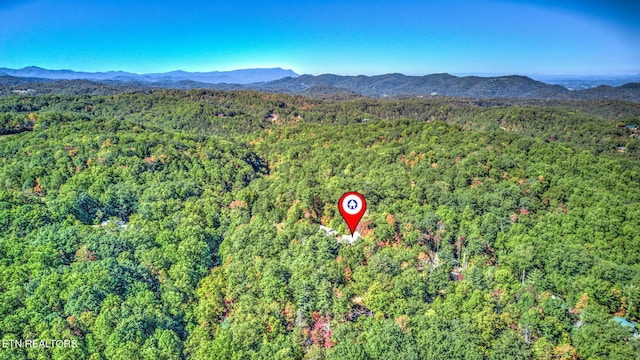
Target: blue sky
(343, 37)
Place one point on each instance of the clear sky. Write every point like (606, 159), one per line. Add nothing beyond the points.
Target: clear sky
(347, 37)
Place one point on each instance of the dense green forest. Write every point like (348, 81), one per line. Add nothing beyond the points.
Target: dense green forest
(169, 224)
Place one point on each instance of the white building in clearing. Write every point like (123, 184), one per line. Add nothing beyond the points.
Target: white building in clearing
(349, 239)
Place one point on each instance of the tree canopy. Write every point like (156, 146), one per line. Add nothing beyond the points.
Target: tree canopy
(173, 224)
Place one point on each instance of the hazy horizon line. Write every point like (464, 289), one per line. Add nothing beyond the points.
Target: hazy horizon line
(408, 73)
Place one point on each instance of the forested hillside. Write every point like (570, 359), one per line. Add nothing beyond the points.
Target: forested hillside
(168, 224)
(286, 82)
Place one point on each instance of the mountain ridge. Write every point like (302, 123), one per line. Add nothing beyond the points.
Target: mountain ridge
(240, 76)
(392, 85)
(443, 84)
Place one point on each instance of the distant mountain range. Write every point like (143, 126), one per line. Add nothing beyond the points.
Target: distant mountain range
(583, 82)
(278, 80)
(391, 85)
(396, 85)
(245, 76)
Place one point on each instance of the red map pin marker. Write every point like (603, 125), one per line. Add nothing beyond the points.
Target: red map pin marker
(352, 206)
